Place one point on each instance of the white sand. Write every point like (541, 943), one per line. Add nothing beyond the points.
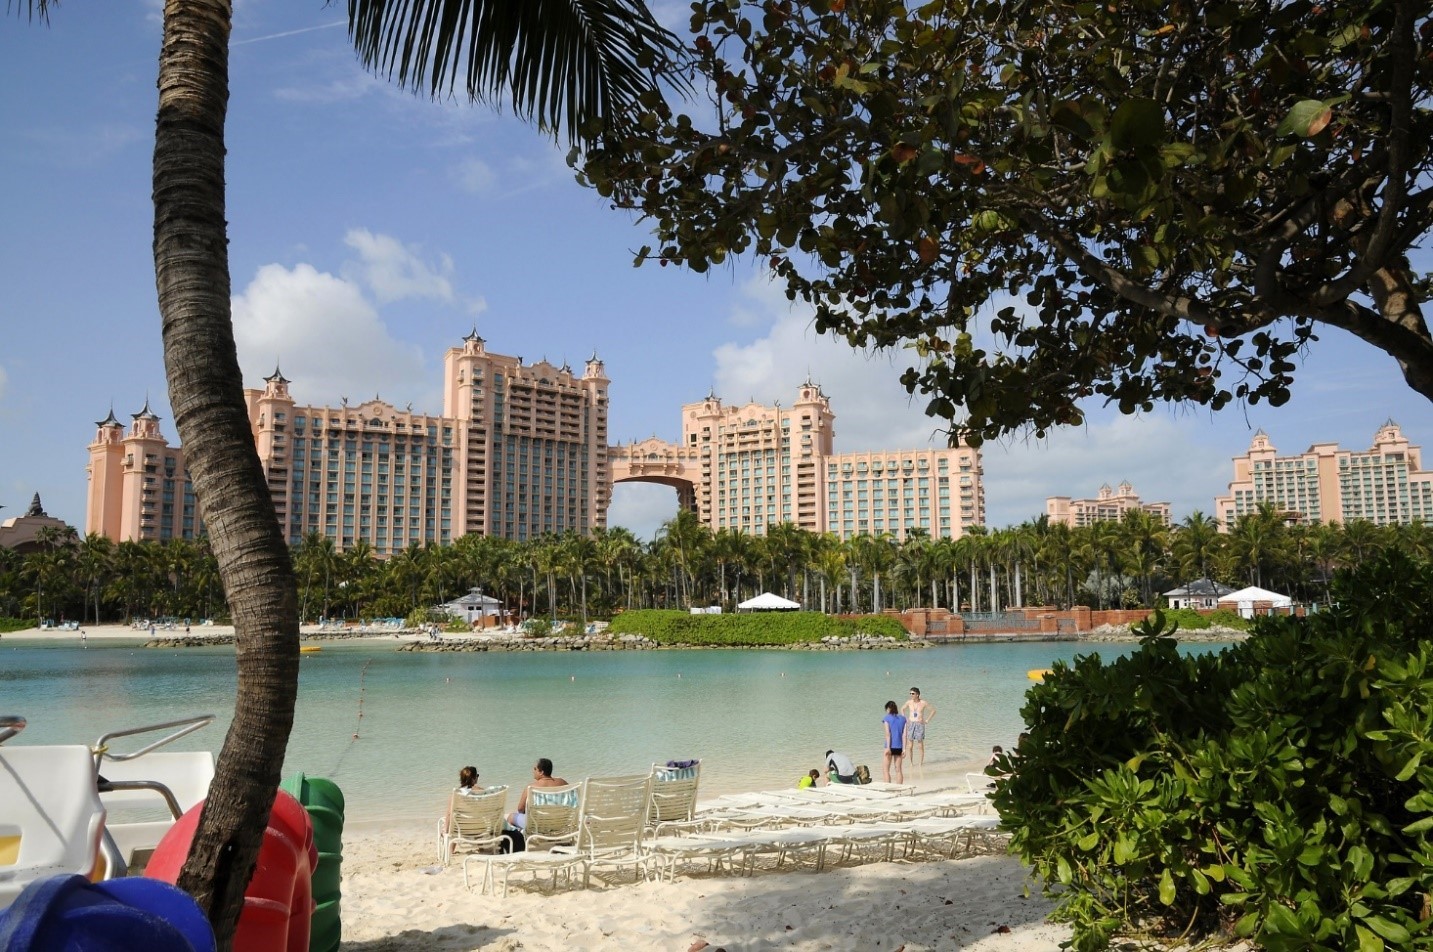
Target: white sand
(397, 898)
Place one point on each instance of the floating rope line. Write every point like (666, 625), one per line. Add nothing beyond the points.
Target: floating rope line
(362, 674)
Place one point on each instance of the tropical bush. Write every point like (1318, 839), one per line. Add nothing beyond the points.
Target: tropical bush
(1189, 619)
(15, 624)
(1280, 790)
(749, 630)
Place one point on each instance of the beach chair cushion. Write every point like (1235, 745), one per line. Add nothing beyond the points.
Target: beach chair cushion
(566, 798)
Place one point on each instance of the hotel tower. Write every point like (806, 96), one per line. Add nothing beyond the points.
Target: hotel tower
(519, 450)
(1385, 484)
(746, 468)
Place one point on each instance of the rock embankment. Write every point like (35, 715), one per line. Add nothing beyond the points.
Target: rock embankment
(602, 642)
(1122, 633)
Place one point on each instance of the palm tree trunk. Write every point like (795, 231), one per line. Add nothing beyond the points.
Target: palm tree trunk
(206, 391)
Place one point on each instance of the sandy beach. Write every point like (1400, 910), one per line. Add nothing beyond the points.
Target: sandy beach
(396, 898)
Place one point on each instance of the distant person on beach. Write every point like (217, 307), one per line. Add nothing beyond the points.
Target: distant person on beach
(839, 768)
(895, 726)
(542, 777)
(919, 712)
(809, 780)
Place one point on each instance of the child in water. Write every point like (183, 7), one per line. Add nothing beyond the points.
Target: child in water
(809, 780)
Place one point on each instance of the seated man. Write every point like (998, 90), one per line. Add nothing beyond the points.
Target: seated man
(544, 778)
(839, 768)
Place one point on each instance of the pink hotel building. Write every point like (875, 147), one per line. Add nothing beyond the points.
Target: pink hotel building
(1385, 484)
(520, 451)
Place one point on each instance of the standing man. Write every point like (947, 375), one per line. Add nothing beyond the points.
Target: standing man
(919, 712)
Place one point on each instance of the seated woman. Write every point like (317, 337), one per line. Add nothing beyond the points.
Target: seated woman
(468, 782)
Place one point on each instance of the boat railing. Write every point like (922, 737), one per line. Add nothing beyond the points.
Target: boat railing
(180, 728)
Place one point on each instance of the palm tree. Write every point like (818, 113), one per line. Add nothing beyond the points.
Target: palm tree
(687, 537)
(94, 560)
(1195, 544)
(876, 555)
(577, 66)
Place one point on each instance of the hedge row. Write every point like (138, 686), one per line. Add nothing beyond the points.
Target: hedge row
(15, 624)
(747, 630)
(1190, 620)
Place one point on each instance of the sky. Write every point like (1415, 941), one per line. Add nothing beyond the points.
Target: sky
(371, 229)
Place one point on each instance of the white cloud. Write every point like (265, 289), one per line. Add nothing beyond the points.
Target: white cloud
(475, 176)
(328, 338)
(873, 411)
(1165, 459)
(4, 379)
(394, 272)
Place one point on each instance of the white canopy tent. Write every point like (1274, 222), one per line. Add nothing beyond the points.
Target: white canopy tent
(1248, 601)
(767, 602)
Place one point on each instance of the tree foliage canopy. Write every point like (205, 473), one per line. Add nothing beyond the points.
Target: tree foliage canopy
(1051, 201)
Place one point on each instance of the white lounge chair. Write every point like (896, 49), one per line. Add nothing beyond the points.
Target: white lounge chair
(51, 817)
(952, 836)
(615, 811)
(674, 796)
(474, 821)
(552, 820)
(552, 814)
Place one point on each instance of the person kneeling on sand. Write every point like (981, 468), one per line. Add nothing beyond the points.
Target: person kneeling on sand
(543, 777)
(809, 780)
(839, 767)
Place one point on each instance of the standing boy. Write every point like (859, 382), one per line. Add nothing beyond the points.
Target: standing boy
(919, 712)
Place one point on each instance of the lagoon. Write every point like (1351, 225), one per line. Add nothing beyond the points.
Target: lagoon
(392, 728)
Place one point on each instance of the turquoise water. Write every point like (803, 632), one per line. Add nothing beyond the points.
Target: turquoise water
(755, 718)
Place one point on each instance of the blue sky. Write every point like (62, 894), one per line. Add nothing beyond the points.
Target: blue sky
(371, 229)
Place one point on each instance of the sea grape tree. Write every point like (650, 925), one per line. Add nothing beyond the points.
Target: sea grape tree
(1051, 201)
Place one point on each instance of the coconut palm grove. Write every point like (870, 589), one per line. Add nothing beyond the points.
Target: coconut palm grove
(1123, 564)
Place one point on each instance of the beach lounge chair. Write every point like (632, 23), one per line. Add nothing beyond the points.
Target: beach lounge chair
(674, 795)
(475, 821)
(552, 820)
(552, 814)
(615, 811)
(953, 836)
(51, 817)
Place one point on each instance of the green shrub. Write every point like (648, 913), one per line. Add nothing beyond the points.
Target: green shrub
(1188, 619)
(1281, 790)
(15, 624)
(754, 629)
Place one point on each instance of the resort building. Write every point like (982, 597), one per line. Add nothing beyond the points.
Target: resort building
(34, 530)
(518, 451)
(747, 468)
(1109, 505)
(1385, 484)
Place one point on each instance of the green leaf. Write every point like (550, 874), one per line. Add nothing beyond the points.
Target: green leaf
(1367, 941)
(1166, 888)
(1137, 122)
(1391, 931)
(1308, 117)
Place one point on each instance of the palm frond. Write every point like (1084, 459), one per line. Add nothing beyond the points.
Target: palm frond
(572, 65)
